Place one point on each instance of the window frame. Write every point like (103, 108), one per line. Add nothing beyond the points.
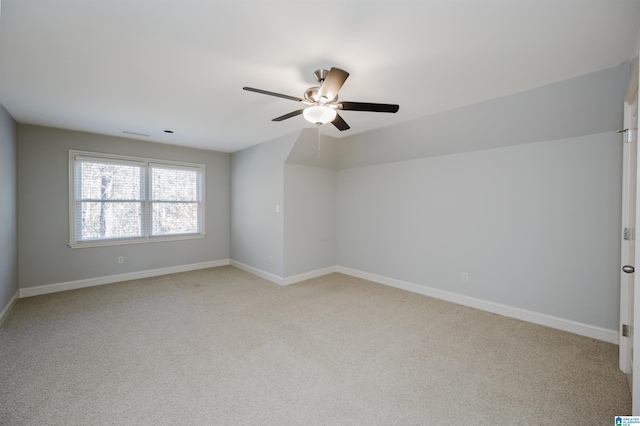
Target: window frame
(146, 200)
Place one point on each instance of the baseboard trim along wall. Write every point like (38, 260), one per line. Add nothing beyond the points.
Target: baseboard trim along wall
(309, 275)
(258, 272)
(598, 333)
(280, 280)
(7, 309)
(90, 282)
(563, 324)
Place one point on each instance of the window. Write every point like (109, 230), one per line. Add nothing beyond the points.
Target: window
(122, 200)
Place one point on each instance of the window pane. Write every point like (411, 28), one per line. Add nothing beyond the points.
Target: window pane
(104, 181)
(174, 184)
(121, 197)
(175, 218)
(101, 220)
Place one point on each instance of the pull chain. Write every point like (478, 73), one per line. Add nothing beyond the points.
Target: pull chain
(318, 141)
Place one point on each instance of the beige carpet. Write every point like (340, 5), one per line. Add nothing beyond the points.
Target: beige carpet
(220, 346)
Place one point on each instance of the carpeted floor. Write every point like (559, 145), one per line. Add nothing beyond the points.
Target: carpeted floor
(221, 346)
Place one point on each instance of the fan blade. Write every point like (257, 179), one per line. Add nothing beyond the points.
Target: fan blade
(365, 106)
(279, 95)
(332, 83)
(291, 114)
(340, 123)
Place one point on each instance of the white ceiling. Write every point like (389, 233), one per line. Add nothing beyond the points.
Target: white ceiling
(108, 66)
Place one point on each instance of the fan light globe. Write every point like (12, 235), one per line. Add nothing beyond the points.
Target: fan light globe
(319, 114)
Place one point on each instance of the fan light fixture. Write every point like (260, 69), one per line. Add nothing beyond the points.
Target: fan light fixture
(319, 114)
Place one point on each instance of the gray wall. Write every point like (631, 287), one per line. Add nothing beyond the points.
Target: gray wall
(43, 203)
(310, 200)
(8, 209)
(535, 224)
(285, 172)
(310, 219)
(257, 187)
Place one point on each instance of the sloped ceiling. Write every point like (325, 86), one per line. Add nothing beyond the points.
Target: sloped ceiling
(110, 66)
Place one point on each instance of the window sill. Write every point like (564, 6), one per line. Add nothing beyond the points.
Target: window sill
(125, 241)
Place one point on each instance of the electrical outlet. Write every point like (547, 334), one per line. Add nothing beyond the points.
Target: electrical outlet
(465, 277)
(120, 259)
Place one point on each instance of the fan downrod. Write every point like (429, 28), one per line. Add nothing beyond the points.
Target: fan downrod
(320, 75)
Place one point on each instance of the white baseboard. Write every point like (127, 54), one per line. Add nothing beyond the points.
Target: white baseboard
(258, 272)
(563, 324)
(7, 309)
(90, 282)
(598, 333)
(309, 275)
(280, 280)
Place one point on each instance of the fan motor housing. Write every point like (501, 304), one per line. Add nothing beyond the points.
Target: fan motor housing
(311, 94)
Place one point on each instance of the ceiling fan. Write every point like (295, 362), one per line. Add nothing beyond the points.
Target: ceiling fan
(323, 101)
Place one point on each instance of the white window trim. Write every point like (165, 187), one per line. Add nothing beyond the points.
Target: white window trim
(74, 243)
